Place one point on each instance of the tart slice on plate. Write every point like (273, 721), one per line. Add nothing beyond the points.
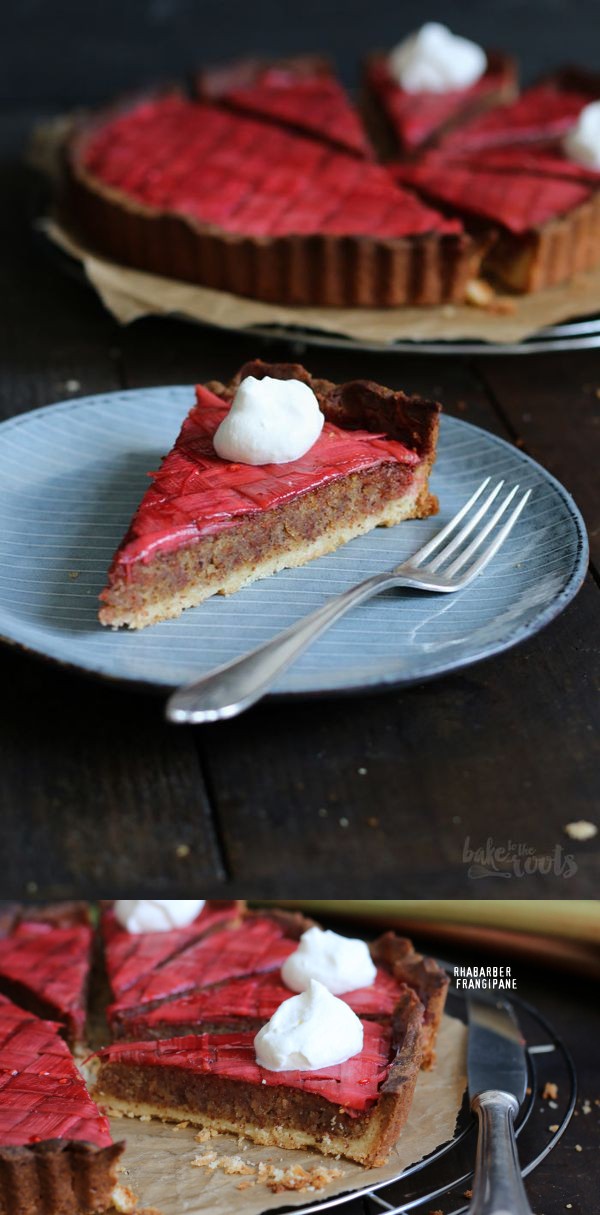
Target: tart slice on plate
(301, 93)
(57, 1156)
(210, 525)
(356, 1108)
(45, 962)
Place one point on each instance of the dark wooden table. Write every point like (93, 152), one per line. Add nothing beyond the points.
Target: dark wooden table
(359, 796)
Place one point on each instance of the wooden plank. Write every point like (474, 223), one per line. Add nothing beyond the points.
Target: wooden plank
(96, 792)
(166, 352)
(56, 338)
(361, 797)
(551, 404)
(95, 789)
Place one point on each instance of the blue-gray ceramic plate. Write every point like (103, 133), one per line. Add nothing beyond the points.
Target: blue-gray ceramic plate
(72, 474)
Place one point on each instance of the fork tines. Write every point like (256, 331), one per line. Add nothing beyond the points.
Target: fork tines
(473, 518)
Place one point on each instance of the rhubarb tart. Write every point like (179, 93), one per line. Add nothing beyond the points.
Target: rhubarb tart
(356, 1108)
(57, 1156)
(210, 524)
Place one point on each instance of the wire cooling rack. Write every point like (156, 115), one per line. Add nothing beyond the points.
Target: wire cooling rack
(448, 1172)
(582, 334)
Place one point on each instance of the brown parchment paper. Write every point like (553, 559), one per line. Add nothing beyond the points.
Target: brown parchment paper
(157, 1161)
(130, 294)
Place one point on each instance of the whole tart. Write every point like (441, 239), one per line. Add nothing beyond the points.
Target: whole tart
(404, 123)
(57, 1156)
(194, 191)
(209, 526)
(355, 1109)
(301, 93)
(45, 962)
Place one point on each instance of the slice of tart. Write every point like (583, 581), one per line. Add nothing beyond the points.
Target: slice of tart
(403, 123)
(247, 1003)
(192, 191)
(545, 111)
(57, 1156)
(355, 1109)
(261, 943)
(540, 158)
(301, 93)
(45, 962)
(548, 228)
(130, 957)
(209, 526)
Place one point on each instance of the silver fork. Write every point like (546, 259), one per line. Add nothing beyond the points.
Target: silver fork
(231, 688)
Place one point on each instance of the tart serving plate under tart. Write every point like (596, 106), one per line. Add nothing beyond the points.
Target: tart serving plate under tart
(72, 474)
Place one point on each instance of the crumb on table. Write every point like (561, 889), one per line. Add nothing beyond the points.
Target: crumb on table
(580, 830)
(277, 1178)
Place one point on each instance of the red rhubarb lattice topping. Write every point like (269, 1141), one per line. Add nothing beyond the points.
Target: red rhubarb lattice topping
(256, 998)
(519, 203)
(353, 1085)
(247, 176)
(300, 93)
(416, 117)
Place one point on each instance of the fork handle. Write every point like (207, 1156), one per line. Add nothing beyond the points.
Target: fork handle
(497, 1185)
(237, 685)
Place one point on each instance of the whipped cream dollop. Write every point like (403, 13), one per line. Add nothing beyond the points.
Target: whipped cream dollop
(270, 422)
(156, 915)
(582, 142)
(308, 1032)
(339, 963)
(434, 60)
